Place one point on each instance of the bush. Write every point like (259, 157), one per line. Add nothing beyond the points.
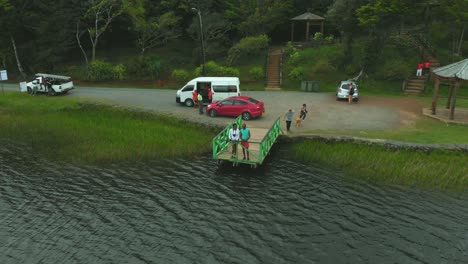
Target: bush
(99, 70)
(323, 67)
(318, 36)
(289, 49)
(181, 76)
(296, 73)
(144, 67)
(247, 46)
(119, 72)
(395, 70)
(256, 73)
(295, 58)
(213, 69)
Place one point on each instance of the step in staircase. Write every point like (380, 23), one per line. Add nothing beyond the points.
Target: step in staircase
(415, 85)
(274, 69)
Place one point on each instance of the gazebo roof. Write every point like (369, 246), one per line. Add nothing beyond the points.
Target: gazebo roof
(455, 70)
(308, 16)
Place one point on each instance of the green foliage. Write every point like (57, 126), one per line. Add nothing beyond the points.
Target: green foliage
(323, 67)
(213, 69)
(394, 69)
(256, 73)
(289, 49)
(297, 73)
(119, 71)
(247, 46)
(295, 58)
(318, 36)
(144, 67)
(181, 76)
(99, 70)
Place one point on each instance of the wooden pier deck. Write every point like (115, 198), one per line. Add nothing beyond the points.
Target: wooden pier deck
(260, 143)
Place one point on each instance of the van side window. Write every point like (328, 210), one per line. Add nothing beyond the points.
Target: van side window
(187, 88)
(224, 88)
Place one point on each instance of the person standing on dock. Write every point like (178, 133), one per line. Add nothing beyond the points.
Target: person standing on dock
(234, 135)
(245, 136)
(288, 117)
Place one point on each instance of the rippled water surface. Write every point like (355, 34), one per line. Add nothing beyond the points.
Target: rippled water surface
(192, 211)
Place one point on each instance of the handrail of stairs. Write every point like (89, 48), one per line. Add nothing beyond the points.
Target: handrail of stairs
(281, 68)
(267, 61)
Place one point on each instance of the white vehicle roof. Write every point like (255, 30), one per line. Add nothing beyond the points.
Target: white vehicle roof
(209, 79)
(53, 76)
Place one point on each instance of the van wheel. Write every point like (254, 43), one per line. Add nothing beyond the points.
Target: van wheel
(246, 116)
(213, 113)
(189, 103)
(29, 90)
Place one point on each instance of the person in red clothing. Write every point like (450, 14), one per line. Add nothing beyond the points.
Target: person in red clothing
(195, 98)
(420, 68)
(210, 96)
(427, 67)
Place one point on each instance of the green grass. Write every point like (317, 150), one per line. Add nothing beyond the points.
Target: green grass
(435, 170)
(73, 131)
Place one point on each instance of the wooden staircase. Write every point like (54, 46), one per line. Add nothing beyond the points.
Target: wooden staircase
(274, 68)
(415, 85)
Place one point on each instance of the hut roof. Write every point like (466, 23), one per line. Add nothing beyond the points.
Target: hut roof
(455, 70)
(308, 16)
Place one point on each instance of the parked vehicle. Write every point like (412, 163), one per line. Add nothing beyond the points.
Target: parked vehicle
(342, 91)
(246, 106)
(221, 87)
(50, 83)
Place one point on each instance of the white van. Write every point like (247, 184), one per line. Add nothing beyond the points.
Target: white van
(222, 87)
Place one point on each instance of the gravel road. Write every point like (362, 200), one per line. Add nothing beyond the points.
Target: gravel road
(325, 113)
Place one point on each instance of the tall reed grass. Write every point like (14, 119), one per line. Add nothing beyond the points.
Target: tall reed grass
(440, 169)
(67, 130)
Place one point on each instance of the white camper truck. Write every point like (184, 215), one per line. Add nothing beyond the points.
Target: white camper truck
(221, 87)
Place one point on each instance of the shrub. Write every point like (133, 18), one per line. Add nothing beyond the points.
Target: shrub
(119, 72)
(213, 69)
(247, 46)
(99, 70)
(323, 67)
(295, 58)
(296, 73)
(256, 73)
(181, 76)
(289, 49)
(144, 67)
(318, 36)
(394, 70)
(329, 39)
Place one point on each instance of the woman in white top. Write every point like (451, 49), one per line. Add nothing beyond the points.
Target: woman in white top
(234, 136)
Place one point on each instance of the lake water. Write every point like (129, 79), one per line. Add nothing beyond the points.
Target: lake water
(194, 211)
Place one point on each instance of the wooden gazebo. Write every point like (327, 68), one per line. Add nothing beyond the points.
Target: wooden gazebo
(310, 19)
(454, 75)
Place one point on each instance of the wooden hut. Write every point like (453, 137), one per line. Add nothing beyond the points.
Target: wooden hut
(454, 75)
(309, 19)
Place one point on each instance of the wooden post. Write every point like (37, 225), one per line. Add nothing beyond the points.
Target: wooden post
(307, 30)
(452, 106)
(292, 31)
(435, 96)
(450, 94)
(321, 27)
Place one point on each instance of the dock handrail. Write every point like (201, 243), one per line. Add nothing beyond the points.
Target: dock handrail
(221, 142)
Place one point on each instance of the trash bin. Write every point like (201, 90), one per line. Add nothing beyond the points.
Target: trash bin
(310, 86)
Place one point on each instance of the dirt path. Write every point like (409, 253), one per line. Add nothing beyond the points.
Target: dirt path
(325, 113)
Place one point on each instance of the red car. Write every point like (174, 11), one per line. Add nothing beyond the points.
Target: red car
(246, 106)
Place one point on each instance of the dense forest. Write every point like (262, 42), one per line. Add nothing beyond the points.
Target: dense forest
(134, 38)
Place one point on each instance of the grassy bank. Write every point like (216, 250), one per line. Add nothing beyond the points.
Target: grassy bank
(437, 169)
(65, 129)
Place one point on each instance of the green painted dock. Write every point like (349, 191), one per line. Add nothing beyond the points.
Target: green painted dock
(261, 141)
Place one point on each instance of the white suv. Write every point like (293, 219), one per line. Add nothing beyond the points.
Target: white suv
(342, 91)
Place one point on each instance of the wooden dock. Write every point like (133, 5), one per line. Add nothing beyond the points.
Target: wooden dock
(261, 141)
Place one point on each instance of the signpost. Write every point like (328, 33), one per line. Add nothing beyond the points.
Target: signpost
(3, 77)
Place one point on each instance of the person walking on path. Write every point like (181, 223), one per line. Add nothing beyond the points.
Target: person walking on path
(303, 111)
(245, 136)
(427, 67)
(200, 104)
(234, 135)
(419, 69)
(288, 117)
(350, 93)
